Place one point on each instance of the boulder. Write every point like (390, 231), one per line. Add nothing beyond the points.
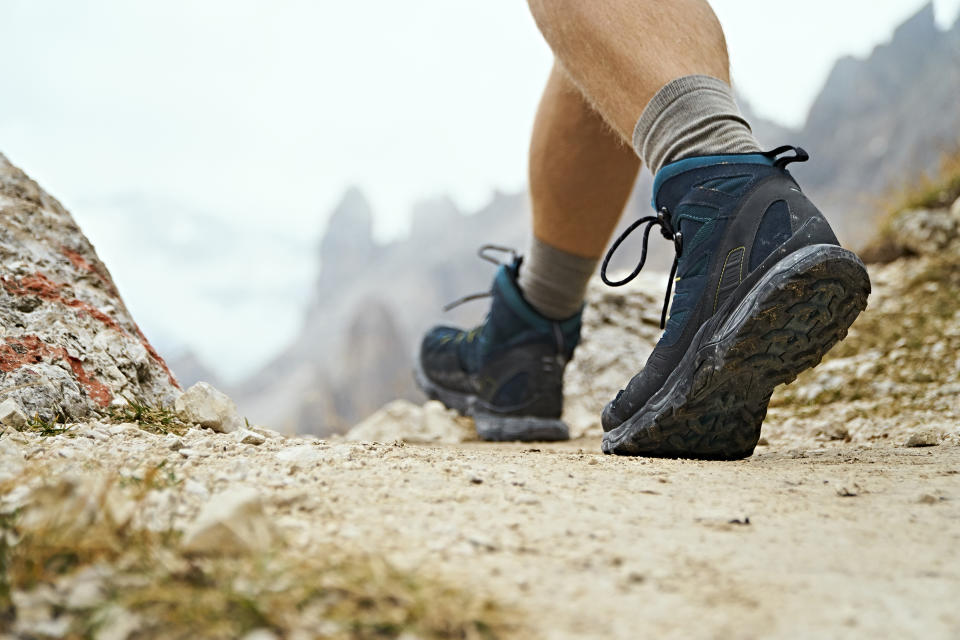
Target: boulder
(926, 231)
(68, 345)
(204, 405)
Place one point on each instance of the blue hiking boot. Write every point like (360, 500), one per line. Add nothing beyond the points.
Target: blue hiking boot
(763, 291)
(506, 373)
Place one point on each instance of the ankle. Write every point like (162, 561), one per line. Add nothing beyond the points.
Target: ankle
(554, 282)
(691, 116)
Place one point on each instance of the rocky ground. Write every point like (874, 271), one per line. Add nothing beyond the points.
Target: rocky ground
(845, 521)
(186, 522)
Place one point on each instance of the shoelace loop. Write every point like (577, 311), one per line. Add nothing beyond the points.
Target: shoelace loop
(664, 221)
(484, 253)
(667, 230)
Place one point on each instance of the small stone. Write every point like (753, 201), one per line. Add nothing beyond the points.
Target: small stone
(302, 454)
(173, 442)
(924, 438)
(193, 487)
(85, 594)
(231, 522)
(11, 415)
(928, 499)
(117, 623)
(204, 405)
(187, 453)
(246, 436)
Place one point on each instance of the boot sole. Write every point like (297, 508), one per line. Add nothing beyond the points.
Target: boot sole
(491, 426)
(713, 404)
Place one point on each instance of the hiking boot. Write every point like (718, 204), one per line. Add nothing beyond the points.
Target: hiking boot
(506, 373)
(763, 291)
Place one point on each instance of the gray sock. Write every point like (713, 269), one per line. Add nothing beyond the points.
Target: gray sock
(691, 116)
(553, 281)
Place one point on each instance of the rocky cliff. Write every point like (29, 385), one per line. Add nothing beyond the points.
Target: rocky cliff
(881, 121)
(69, 347)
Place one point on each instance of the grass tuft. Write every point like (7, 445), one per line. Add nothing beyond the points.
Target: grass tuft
(155, 419)
(924, 191)
(54, 427)
(66, 528)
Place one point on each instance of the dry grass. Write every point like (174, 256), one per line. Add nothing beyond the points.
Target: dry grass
(919, 314)
(335, 594)
(921, 192)
(159, 419)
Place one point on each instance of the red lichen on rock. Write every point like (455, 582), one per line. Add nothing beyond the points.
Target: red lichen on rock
(82, 264)
(17, 352)
(42, 287)
(155, 355)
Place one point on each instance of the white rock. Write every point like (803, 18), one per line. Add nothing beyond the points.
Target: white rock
(403, 420)
(231, 522)
(302, 454)
(925, 438)
(955, 210)
(193, 487)
(204, 405)
(11, 415)
(246, 436)
(118, 624)
(173, 442)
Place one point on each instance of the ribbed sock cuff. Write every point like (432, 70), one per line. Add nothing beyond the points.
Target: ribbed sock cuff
(554, 281)
(691, 116)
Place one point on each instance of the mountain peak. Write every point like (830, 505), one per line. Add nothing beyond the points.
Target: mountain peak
(918, 27)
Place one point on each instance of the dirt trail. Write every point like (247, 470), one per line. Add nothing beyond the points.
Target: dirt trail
(831, 541)
(818, 543)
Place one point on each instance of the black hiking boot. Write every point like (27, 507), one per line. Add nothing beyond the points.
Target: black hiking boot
(506, 373)
(763, 292)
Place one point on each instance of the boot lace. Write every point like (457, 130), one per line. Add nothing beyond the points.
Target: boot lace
(484, 253)
(667, 229)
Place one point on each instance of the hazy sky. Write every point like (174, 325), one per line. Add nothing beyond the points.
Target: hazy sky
(259, 113)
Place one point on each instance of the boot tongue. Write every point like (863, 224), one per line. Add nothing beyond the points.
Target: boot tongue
(676, 179)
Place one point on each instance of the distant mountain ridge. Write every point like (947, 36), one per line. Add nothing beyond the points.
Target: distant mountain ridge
(880, 121)
(876, 122)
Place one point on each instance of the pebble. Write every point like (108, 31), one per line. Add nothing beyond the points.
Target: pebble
(246, 436)
(231, 522)
(924, 438)
(11, 415)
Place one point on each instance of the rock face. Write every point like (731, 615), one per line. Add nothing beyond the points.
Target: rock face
(68, 346)
(880, 121)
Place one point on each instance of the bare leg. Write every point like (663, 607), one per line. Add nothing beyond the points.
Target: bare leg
(621, 52)
(581, 172)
